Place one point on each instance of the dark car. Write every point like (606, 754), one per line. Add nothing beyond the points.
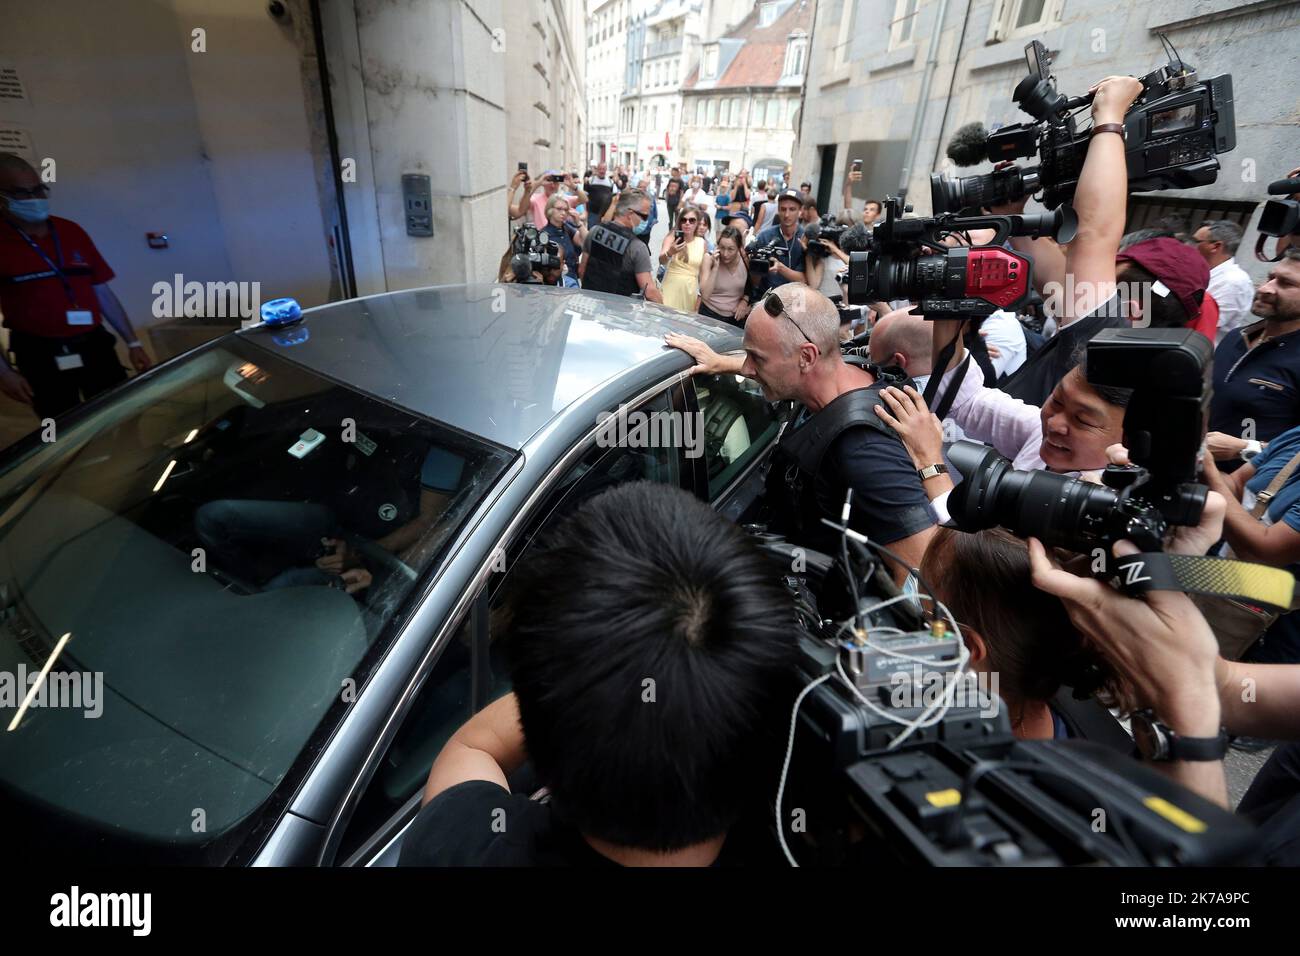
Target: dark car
(219, 697)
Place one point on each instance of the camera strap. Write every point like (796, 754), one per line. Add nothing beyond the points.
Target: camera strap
(945, 355)
(1256, 584)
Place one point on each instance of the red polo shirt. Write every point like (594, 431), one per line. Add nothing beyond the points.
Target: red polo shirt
(1207, 323)
(32, 298)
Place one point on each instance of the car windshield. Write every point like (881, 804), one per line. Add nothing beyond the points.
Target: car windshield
(206, 563)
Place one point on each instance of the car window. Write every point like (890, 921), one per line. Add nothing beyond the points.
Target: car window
(161, 555)
(738, 424)
(443, 704)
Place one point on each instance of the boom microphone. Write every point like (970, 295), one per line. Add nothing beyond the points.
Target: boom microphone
(1283, 187)
(969, 145)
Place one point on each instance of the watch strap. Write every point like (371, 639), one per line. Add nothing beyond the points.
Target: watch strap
(1109, 128)
(932, 471)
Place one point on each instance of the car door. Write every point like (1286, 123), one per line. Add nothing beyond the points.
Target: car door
(471, 673)
(740, 429)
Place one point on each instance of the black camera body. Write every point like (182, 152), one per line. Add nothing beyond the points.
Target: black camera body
(907, 259)
(762, 257)
(823, 231)
(533, 251)
(1173, 133)
(1168, 371)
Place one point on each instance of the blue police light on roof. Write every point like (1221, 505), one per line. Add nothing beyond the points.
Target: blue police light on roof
(281, 312)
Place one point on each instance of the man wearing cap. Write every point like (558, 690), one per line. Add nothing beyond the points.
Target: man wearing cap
(55, 298)
(786, 233)
(1217, 240)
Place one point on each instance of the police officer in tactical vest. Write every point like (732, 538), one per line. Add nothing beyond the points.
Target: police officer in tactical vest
(613, 260)
(792, 350)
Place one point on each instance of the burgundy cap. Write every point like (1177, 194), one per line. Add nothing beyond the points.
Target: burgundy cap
(1178, 266)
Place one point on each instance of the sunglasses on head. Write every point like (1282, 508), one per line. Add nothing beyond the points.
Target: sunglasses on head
(774, 307)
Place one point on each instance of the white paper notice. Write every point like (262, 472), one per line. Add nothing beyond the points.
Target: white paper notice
(11, 85)
(16, 139)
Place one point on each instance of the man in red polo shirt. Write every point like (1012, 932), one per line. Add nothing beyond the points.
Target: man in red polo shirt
(55, 298)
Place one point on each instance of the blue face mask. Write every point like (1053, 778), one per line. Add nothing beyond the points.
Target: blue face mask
(29, 210)
(642, 227)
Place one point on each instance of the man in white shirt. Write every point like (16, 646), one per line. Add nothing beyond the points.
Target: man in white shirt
(1217, 240)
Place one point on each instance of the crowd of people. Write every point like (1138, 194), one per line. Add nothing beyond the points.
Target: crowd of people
(1017, 381)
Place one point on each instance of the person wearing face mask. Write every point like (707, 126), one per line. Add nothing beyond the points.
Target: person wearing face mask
(613, 257)
(55, 298)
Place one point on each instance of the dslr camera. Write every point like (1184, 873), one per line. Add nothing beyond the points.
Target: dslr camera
(1173, 134)
(1169, 373)
(906, 259)
(533, 251)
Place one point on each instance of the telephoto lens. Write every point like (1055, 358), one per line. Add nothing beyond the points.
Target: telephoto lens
(1060, 511)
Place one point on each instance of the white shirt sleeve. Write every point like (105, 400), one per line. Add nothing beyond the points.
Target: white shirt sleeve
(1002, 329)
(1234, 292)
(992, 416)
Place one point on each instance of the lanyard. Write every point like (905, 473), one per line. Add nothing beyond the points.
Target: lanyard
(58, 251)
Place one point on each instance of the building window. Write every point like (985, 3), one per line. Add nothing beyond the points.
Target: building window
(848, 30)
(756, 112)
(713, 112)
(737, 112)
(1013, 18)
(725, 119)
(700, 112)
(795, 47)
(900, 28)
(767, 15)
(710, 62)
(773, 120)
(793, 116)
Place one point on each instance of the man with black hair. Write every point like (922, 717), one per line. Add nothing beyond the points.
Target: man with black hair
(649, 697)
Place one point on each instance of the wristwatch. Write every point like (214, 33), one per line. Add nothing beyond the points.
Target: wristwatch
(1109, 128)
(1252, 449)
(932, 471)
(1157, 743)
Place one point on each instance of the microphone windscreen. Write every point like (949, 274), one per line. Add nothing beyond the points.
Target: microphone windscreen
(1284, 187)
(968, 145)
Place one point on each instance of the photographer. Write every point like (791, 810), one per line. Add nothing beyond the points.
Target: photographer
(650, 705)
(792, 350)
(786, 233)
(613, 258)
(1086, 303)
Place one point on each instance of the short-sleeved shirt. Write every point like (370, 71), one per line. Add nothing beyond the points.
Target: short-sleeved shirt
(1285, 505)
(793, 258)
(600, 193)
(889, 503)
(1040, 373)
(637, 251)
(538, 206)
(563, 237)
(32, 297)
(1261, 385)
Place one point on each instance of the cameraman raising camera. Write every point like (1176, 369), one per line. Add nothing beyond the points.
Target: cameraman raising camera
(787, 232)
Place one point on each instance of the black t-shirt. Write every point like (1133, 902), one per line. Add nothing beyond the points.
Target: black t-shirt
(1033, 382)
(889, 503)
(479, 823)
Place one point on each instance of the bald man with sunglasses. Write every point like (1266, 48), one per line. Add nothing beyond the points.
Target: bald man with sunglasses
(792, 349)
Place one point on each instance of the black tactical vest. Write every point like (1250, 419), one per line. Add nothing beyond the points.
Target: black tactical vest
(609, 260)
(799, 456)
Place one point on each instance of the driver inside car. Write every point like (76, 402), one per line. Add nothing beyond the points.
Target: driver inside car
(309, 537)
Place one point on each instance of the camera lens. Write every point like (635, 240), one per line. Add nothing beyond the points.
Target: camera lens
(1059, 511)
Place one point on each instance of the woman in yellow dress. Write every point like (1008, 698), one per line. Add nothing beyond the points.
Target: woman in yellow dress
(684, 257)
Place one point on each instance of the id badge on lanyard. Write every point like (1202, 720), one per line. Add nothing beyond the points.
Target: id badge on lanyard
(75, 316)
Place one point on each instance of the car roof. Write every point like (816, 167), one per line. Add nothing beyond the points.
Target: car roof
(499, 361)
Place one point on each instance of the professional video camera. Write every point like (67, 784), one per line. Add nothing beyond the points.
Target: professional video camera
(762, 257)
(898, 754)
(1164, 424)
(1280, 217)
(907, 259)
(1173, 133)
(533, 251)
(821, 232)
